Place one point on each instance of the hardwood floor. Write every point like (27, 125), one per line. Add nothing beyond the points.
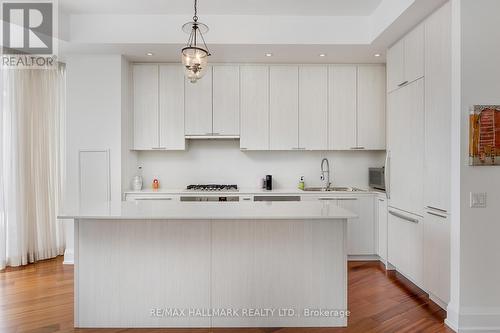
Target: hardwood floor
(39, 299)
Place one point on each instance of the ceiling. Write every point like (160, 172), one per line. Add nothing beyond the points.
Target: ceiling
(304, 54)
(241, 31)
(223, 7)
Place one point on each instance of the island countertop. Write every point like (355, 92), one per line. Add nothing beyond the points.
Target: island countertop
(161, 210)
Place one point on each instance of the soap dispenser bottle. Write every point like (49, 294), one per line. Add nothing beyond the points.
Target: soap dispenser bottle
(137, 180)
(301, 185)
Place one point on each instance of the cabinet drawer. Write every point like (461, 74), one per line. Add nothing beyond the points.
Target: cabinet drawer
(405, 244)
(149, 197)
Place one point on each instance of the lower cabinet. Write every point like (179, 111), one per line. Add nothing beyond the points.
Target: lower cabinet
(381, 226)
(437, 256)
(145, 196)
(405, 244)
(361, 230)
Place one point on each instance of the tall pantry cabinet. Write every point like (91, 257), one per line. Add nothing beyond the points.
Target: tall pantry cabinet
(418, 167)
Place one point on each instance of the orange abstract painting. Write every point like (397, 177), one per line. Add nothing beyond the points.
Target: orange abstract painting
(484, 135)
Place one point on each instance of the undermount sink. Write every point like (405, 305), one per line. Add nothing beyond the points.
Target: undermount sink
(332, 189)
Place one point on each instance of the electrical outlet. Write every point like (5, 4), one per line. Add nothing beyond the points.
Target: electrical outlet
(478, 200)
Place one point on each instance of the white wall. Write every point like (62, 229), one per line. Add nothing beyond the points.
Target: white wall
(478, 297)
(221, 161)
(98, 107)
(93, 114)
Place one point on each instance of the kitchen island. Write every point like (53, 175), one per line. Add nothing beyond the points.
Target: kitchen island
(210, 264)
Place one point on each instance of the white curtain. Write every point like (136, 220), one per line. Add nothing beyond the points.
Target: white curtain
(31, 165)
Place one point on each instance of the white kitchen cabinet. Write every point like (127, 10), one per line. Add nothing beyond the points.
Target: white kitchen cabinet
(405, 59)
(254, 106)
(313, 107)
(438, 109)
(226, 100)
(405, 244)
(406, 147)
(145, 94)
(414, 54)
(149, 196)
(283, 107)
(381, 216)
(395, 65)
(198, 110)
(361, 230)
(436, 242)
(342, 107)
(371, 96)
(171, 108)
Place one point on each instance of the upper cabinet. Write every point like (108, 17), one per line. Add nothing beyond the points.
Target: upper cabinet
(199, 105)
(158, 107)
(213, 103)
(313, 107)
(254, 107)
(371, 107)
(357, 107)
(171, 114)
(146, 134)
(269, 107)
(226, 100)
(342, 111)
(405, 59)
(283, 107)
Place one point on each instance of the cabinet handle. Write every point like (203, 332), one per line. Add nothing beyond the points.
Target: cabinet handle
(347, 199)
(153, 199)
(438, 215)
(437, 209)
(381, 200)
(402, 84)
(403, 217)
(327, 199)
(159, 148)
(357, 148)
(242, 148)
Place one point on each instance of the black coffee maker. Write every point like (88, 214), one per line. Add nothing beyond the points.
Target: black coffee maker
(268, 182)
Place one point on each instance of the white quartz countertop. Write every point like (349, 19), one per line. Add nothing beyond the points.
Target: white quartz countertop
(161, 210)
(242, 191)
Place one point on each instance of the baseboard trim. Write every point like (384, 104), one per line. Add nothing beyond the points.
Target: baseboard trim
(479, 319)
(438, 301)
(69, 257)
(364, 257)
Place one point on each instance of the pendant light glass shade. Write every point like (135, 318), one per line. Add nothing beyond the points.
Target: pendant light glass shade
(194, 56)
(195, 61)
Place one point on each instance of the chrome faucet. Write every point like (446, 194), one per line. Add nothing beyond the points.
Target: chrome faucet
(327, 172)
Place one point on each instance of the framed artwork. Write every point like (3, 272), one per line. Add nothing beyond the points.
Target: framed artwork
(484, 135)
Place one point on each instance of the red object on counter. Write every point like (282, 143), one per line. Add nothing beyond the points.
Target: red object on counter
(156, 184)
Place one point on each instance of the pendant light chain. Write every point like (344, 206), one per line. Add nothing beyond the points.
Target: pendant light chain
(195, 17)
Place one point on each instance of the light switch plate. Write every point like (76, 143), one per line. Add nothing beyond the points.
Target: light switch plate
(478, 200)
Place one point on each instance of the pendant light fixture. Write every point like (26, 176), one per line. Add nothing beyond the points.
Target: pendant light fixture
(195, 56)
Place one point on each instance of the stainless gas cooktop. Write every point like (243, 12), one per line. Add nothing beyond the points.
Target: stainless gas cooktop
(212, 188)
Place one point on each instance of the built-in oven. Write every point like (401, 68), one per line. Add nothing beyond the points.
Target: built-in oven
(211, 198)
